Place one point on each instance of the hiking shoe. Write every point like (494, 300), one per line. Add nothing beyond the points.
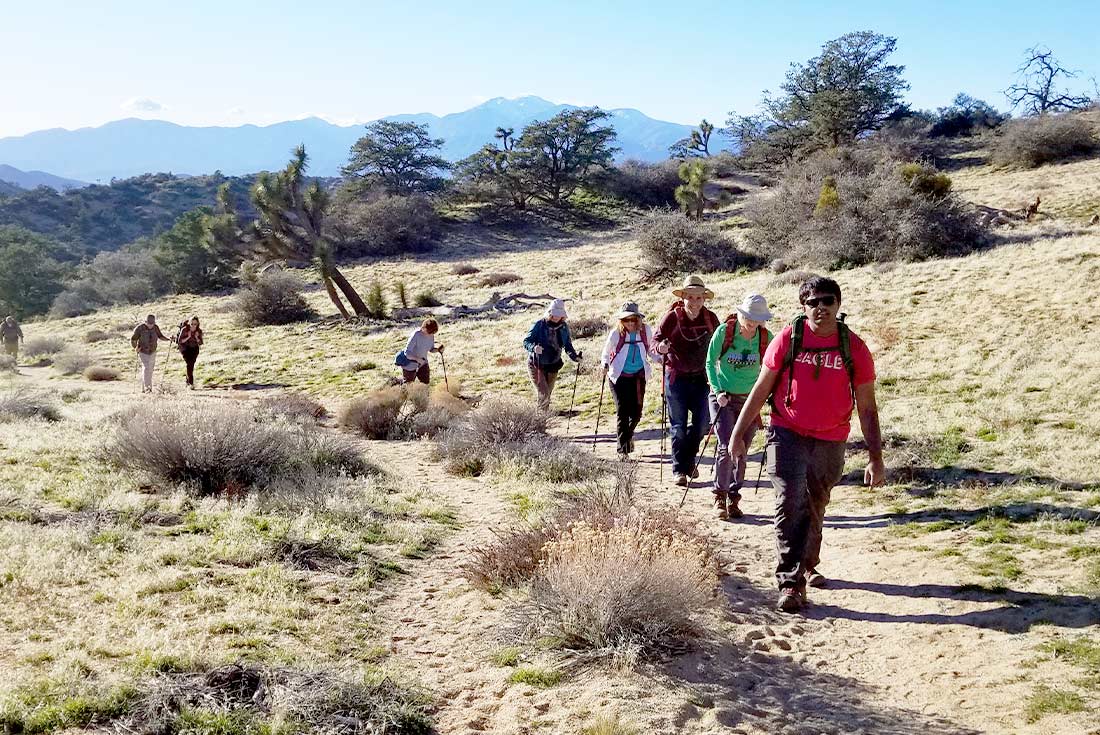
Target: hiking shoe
(695, 472)
(731, 507)
(790, 600)
(682, 480)
(720, 504)
(816, 579)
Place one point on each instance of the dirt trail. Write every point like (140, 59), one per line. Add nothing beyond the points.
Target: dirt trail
(893, 645)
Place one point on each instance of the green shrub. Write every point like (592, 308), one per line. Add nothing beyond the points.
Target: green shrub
(376, 301)
(673, 245)
(273, 297)
(386, 225)
(426, 299)
(642, 184)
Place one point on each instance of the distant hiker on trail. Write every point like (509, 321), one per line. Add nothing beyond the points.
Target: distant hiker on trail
(816, 372)
(11, 335)
(733, 364)
(544, 343)
(189, 340)
(683, 336)
(626, 360)
(414, 358)
(144, 341)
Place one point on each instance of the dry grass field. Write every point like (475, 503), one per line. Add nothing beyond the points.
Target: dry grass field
(964, 595)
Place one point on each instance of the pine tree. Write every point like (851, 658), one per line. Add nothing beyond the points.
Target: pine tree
(691, 195)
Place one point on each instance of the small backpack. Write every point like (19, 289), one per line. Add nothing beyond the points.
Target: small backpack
(727, 339)
(798, 328)
(622, 341)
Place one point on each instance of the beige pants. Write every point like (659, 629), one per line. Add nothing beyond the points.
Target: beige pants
(148, 361)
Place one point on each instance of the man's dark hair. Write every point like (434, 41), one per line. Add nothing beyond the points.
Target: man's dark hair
(818, 284)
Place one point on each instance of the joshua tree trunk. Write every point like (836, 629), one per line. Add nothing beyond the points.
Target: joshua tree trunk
(335, 297)
(349, 292)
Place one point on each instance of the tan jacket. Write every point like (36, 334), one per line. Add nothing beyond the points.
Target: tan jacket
(145, 338)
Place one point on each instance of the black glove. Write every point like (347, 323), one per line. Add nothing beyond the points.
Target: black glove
(579, 356)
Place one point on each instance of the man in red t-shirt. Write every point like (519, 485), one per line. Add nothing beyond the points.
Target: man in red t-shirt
(812, 404)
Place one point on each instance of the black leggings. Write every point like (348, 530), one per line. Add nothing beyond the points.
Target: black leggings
(190, 355)
(629, 392)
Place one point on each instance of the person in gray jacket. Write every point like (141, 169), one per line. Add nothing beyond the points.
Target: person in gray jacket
(414, 358)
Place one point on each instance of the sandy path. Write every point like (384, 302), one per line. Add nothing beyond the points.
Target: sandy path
(893, 645)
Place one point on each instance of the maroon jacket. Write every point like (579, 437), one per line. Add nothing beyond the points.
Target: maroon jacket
(688, 339)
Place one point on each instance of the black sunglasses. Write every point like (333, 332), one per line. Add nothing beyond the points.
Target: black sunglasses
(823, 300)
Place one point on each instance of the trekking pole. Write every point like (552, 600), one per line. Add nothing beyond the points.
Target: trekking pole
(446, 383)
(703, 451)
(664, 407)
(603, 382)
(576, 377)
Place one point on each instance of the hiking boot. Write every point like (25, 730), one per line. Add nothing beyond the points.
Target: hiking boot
(731, 507)
(790, 600)
(682, 480)
(815, 578)
(720, 504)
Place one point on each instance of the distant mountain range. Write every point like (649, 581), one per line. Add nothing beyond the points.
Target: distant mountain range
(132, 147)
(20, 180)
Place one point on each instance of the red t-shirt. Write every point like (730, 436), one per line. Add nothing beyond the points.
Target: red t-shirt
(821, 407)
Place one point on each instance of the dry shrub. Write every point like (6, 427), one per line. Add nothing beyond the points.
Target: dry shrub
(498, 279)
(635, 585)
(95, 335)
(854, 206)
(464, 269)
(643, 184)
(100, 374)
(227, 448)
(547, 458)
(39, 346)
(22, 403)
(273, 297)
(402, 412)
(673, 244)
(1032, 142)
(426, 299)
(294, 406)
(793, 278)
(386, 225)
(7, 364)
(71, 362)
(506, 361)
(588, 326)
(246, 698)
(884, 336)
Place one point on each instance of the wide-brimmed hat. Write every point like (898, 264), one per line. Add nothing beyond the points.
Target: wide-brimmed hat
(755, 307)
(693, 284)
(629, 310)
(557, 308)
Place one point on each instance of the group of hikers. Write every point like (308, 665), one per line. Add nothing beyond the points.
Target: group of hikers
(716, 376)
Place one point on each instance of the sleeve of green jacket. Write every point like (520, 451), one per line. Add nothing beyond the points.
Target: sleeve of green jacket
(713, 356)
(532, 337)
(567, 342)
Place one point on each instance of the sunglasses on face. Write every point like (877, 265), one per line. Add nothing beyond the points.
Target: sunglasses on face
(823, 300)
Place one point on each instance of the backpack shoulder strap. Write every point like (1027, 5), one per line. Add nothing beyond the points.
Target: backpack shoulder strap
(844, 335)
(619, 346)
(727, 338)
(764, 341)
(798, 327)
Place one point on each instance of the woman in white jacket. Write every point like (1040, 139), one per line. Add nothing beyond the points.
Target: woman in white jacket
(627, 356)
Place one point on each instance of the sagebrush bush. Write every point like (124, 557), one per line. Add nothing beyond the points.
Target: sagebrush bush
(7, 363)
(72, 362)
(426, 299)
(386, 225)
(38, 346)
(590, 326)
(127, 276)
(635, 584)
(28, 404)
(231, 449)
(99, 373)
(856, 206)
(642, 184)
(464, 269)
(402, 412)
(95, 335)
(673, 245)
(294, 406)
(1035, 141)
(273, 297)
(498, 279)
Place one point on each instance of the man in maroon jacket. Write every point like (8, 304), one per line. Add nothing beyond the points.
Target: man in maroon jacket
(683, 337)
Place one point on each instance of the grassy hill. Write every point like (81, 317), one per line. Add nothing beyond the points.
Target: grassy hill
(966, 590)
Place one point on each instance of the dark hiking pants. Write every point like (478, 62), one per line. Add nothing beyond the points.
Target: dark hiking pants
(803, 471)
(190, 355)
(729, 471)
(629, 393)
(689, 418)
(422, 373)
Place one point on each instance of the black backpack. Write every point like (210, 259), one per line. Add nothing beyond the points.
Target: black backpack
(798, 328)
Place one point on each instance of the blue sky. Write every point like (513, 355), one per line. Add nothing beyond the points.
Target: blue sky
(70, 64)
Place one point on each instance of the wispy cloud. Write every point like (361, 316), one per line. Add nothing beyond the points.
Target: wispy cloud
(142, 104)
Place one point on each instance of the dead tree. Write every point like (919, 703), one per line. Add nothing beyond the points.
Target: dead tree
(1036, 89)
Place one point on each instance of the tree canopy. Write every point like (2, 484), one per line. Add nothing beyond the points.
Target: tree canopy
(397, 156)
